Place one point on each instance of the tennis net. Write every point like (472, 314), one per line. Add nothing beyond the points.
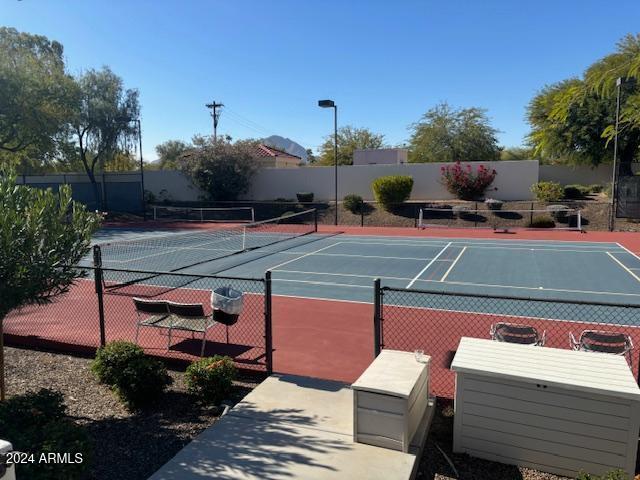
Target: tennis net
(202, 214)
(463, 216)
(176, 251)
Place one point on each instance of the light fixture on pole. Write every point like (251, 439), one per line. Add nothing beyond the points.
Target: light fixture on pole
(332, 104)
(614, 175)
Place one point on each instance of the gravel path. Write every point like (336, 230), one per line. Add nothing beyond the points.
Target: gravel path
(127, 445)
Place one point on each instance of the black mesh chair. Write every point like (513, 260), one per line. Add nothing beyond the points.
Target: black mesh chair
(604, 342)
(171, 316)
(517, 333)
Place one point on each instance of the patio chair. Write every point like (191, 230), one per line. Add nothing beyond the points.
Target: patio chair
(517, 333)
(171, 316)
(603, 341)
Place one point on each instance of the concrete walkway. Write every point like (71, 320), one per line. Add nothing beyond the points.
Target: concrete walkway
(288, 427)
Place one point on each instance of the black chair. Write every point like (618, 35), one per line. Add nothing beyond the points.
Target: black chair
(604, 342)
(517, 333)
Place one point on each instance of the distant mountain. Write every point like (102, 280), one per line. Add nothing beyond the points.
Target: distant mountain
(287, 145)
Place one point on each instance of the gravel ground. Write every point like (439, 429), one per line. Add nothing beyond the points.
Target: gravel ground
(127, 445)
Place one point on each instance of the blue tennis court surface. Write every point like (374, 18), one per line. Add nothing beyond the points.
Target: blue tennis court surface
(343, 267)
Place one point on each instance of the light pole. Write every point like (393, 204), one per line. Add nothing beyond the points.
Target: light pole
(139, 126)
(332, 104)
(614, 175)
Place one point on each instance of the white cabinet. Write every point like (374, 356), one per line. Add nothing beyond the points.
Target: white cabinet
(558, 411)
(390, 400)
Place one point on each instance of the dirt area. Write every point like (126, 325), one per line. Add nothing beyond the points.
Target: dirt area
(126, 445)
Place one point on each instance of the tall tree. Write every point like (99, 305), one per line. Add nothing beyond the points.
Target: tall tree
(43, 235)
(36, 95)
(101, 126)
(446, 134)
(574, 120)
(349, 140)
(223, 170)
(169, 152)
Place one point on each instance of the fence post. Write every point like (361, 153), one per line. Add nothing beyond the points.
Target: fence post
(377, 317)
(268, 338)
(315, 222)
(531, 214)
(97, 275)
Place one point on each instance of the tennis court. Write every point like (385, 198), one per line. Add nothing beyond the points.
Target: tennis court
(434, 289)
(343, 267)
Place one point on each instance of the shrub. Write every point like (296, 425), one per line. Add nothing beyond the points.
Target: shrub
(135, 378)
(305, 197)
(283, 200)
(542, 222)
(464, 183)
(547, 191)
(493, 204)
(596, 188)
(392, 189)
(574, 192)
(211, 379)
(37, 423)
(353, 203)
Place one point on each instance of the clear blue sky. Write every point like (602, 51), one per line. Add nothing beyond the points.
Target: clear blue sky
(383, 62)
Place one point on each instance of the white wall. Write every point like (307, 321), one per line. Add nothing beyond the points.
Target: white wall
(380, 156)
(584, 175)
(513, 181)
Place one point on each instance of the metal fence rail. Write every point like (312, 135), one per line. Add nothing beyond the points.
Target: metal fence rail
(434, 321)
(99, 308)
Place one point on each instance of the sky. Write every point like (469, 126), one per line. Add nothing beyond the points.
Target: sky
(384, 63)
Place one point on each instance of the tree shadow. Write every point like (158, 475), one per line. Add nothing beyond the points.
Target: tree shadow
(507, 215)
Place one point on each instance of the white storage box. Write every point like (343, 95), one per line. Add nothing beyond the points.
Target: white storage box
(390, 399)
(558, 411)
(7, 472)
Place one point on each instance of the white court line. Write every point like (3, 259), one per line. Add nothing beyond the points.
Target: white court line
(624, 266)
(428, 265)
(362, 256)
(537, 289)
(627, 250)
(444, 277)
(481, 246)
(462, 241)
(343, 275)
(303, 256)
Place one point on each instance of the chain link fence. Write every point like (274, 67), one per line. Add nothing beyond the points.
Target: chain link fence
(434, 321)
(99, 308)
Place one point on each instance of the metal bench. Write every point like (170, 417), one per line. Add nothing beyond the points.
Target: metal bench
(171, 316)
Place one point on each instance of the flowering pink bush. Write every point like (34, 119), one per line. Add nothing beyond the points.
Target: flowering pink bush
(464, 183)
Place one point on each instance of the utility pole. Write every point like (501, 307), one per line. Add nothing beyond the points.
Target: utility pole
(215, 114)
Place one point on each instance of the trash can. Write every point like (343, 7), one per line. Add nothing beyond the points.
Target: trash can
(7, 472)
(227, 305)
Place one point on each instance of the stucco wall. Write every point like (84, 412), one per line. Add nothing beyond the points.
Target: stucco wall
(513, 181)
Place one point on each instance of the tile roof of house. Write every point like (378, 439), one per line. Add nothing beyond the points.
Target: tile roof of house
(269, 151)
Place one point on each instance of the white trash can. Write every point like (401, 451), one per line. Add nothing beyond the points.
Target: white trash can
(227, 305)
(7, 472)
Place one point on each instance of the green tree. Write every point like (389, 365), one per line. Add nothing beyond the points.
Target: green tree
(36, 97)
(223, 170)
(574, 120)
(101, 126)
(446, 134)
(311, 158)
(43, 235)
(169, 152)
(517, 153)
(349, 140)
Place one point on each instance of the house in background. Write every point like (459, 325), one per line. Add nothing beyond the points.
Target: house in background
(380, 156)
(276, 158)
